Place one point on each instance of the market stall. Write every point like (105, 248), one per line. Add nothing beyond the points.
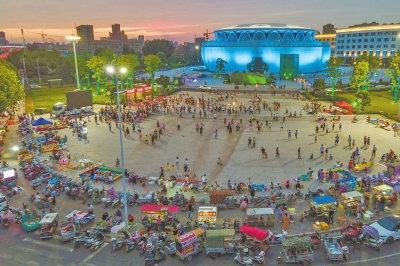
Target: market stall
(260, 217)
(190, 244)
(153, 211)
(220, 198)
(322, 205)
(257, 236)
(220, 242)
(29, 223)
(384, 191)
(207, 215)
(8, 178)
(296, 250)
(351, 200)
(102, 173)
(48, 225)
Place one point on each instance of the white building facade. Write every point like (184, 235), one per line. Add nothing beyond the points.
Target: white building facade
(381, 40)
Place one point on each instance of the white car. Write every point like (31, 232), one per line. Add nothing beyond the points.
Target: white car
(388, 228)
(205, 88)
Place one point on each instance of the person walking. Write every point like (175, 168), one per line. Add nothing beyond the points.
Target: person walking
(249, 142)
(296, 133)
(299, 153)
(253, 144)
(373, 151)
(277, 152)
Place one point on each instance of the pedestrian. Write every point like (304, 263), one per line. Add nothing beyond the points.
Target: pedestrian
(315, 139)
(117, 163)
(340, 126)
(296, 133)
(298, 153)
(322, 150)
(204, 179)
(253, 144)
(373, 151)
(326, 154)
(249, 142)
(177, 162)
(277, 152)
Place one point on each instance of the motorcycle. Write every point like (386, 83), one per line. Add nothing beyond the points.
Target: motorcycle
(118, 243)
(243, 260)
(260, 258)
(155, 260)
(79, 240)
(99, 241)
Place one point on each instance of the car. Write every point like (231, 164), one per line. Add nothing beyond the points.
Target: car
(34, 86)
(205, 88)
(388, 228)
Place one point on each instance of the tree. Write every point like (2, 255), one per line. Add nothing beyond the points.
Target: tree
(319, 84)
(394, 73)
(271, 79)
(373, 63)
(359, 79)
(97, 64)
(152, 63)
(257, 66)
(334, 72)
(162, 57)
(363, 99)
(11, 88)
(153, 47)
(220, 65)
(105, 52)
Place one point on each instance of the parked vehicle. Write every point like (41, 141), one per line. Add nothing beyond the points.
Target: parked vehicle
(48, 225)
(3, 202)
(388, 228)
(335, 249)
(68, 231)
(370, 237)
(220, 242)
(296, 250)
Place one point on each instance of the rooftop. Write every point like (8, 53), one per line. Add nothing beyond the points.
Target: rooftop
(262, 26)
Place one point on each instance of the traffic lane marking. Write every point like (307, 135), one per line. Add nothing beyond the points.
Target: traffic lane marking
(47, 244)
(91, 256)
(47, 255)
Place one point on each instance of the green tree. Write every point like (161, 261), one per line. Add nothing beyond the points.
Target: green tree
(163, 58)
(394, 73)
(373, 63)
(105, 52)
(131, 62)
(11, 89)
(97, 64)
(152, 63)
(359, 79)
(363, 99)
(319, 84)
(153, 47)
(334, 72)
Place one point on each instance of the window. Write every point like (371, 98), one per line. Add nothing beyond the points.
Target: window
(360, 34)
(371, 52)
(380, 33)
(393, 39)
(365, 40)
(354, 40)
(347, 53)
(373, 33)
(371, 46)
(393, 46)
(359, 40)
(354, 35)
(392, 52)
(347, 46)
(359, 46)
(366, 34)
(372, 40)
(353, 46)
(386, 39)
(365, 46)
(378, 52)
(394, 33)
(358, 52)
(384, 52)
(385, 46)
(379, 39)
(378, 46)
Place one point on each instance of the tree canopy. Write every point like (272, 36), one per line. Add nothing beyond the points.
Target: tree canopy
(360, 77)
(11, 88)
(156, 46)
(152, 63)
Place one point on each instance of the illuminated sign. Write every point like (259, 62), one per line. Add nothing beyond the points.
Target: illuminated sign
(138, 90)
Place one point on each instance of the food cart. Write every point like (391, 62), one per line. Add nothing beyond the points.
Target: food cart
(220, 242)
(29, 223)
(384, 191)
(68, 231)
(207, 215)
(258, 237)
(83, 217)
(8, 178)
(296, 250)
(351, 200)
(48, 225)
(335, 249)
(190, 244)
(260, 217)
(322, 205)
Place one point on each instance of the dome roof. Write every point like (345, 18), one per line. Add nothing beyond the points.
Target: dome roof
(266, 26)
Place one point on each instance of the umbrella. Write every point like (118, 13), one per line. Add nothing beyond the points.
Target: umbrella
(371, 231)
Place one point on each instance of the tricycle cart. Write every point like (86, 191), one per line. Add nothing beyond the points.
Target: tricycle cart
(260, 217)
(190, 244)
(48, 225)
(68, 231)
(207, 215)
(258, 238)
(220, 242)
(296, 250)
(335, 249)
(29, 223)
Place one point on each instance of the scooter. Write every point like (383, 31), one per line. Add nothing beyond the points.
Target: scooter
(118, 243)
(259, 258)
(372, 242)
(247, 261)
(155, 260)
(98, 242)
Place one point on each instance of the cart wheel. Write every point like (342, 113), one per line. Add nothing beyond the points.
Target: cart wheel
(189, 258)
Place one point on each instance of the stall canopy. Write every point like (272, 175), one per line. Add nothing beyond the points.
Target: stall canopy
(158, 208)
(352, 195)
(324, 200)
(41, 122)
(255, 232)
(346, 106)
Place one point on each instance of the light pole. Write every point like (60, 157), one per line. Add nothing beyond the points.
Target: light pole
(197, 54)
(74, 39)
(112, 71)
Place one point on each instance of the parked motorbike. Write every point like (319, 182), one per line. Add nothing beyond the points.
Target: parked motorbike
(118, 243)
(243, 260)
(156, 259)
(260, 258)
(99, 241)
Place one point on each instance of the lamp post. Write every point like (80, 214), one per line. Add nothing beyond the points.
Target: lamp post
(74, 39)
(112, 71)
(197, 54)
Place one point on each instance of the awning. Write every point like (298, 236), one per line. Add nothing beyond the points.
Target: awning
(324, 199)
(255, 232)
(158, 208)
(41, 122)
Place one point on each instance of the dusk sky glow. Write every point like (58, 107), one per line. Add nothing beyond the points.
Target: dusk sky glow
(180, 20)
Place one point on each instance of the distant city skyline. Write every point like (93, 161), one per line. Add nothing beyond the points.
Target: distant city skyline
(181, 20)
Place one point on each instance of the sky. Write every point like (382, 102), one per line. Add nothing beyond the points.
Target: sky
(181, 20)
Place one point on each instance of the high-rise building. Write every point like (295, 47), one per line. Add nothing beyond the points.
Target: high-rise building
(328, 29)
(86, 43)
(331, 38)
(116, 33)
(378, 40)
(3, 40)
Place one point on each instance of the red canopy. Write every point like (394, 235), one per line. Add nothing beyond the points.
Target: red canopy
(157, 208)
(344, 105)
(255, 232)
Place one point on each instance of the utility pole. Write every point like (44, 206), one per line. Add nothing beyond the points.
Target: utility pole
(38, 71)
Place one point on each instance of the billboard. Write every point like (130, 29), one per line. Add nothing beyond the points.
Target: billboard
(78, 99)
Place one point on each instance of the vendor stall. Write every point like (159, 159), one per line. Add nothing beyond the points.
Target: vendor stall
(351, 200)
(322, 205)
(207, 215)
(219, 198)
(8, 178)
(384, 191)
(258, 237)
(102, 173)
(153, 211)
(260, 217)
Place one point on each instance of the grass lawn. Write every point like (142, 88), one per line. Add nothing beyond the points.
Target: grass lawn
(46, 98)
(381, 103)
(248, 78)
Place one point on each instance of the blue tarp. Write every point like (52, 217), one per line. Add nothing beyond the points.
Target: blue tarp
(324, 200)
(41, 122)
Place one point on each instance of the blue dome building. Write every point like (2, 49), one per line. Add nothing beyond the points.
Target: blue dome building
(288, 50)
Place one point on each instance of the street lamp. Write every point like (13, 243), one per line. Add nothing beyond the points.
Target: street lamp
(74, 39)
(112, 71)
(197, 47)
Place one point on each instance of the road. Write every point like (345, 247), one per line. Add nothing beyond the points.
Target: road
(19, 248)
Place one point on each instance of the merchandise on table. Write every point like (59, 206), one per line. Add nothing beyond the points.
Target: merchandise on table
(260, 217)
(102, 173)
(351, 200)
(220, 242)
(153, 211)
(323, 205)
(48, 225)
